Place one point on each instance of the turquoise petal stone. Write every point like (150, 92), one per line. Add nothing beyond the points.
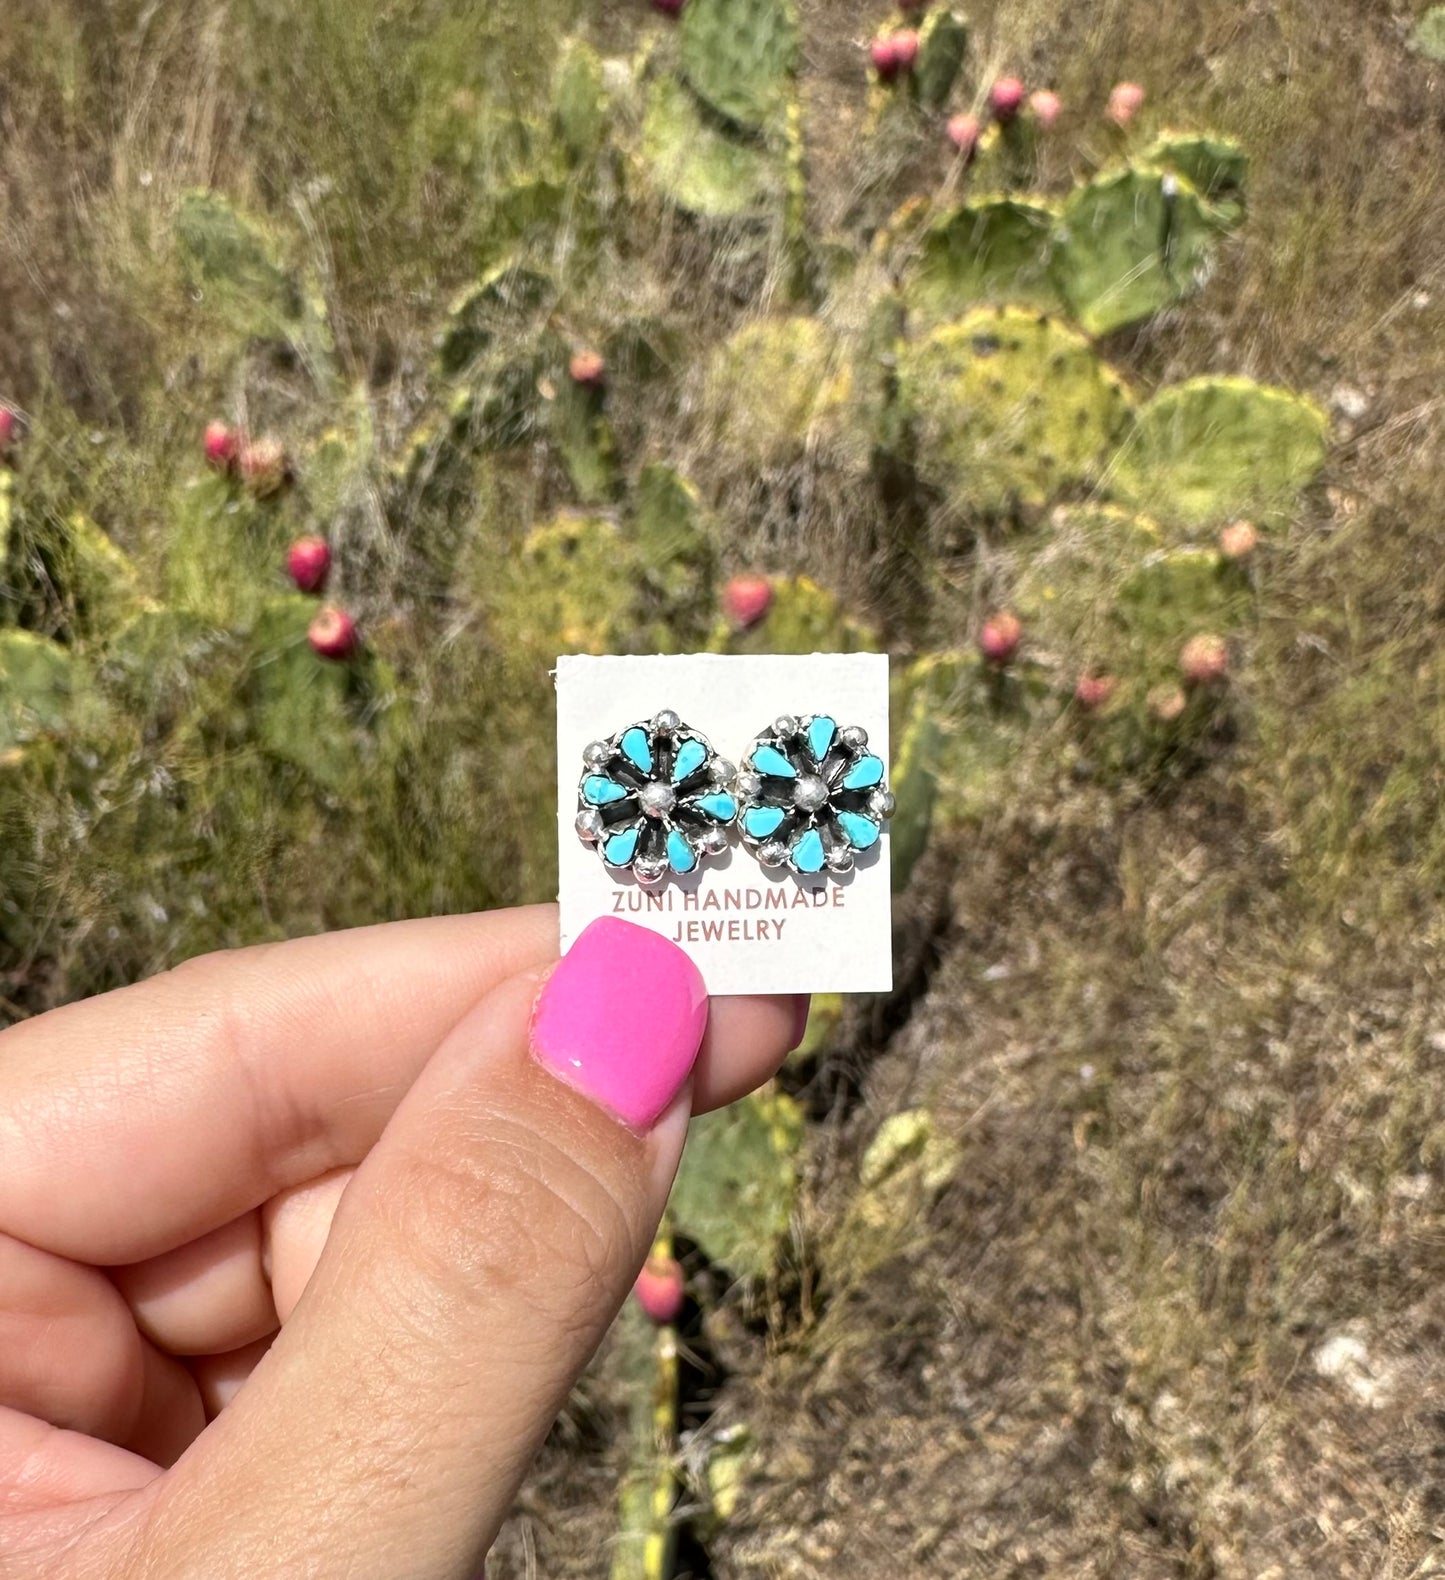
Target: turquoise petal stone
(761, 821)
(808, 853)
(864, 774)
(769, 760)
(682, 856)
(719, 805)
(637, 749)
(862, 835)
(621, 848)
(820, 736)
(598, 790)
(690, 757)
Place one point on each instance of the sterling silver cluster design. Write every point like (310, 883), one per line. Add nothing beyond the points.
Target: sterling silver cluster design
(812, 795)
(655, 799)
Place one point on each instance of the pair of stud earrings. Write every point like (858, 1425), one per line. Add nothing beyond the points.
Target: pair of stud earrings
(656, 799)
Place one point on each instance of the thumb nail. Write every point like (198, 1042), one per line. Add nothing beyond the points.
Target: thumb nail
(621, 1019)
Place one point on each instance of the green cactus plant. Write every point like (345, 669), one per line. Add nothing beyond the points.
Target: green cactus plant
(997, 249)
(738, 56)
(700, 167)
(1206, 451)
(1216, 167)
(1009, 408)
(802, 618)
(1132, 242)
(579, 101)
(737, 1186)
(506, 292)
(301, 706)
(1428, 39)
(38, 682)
(942, 49)
(776, 386)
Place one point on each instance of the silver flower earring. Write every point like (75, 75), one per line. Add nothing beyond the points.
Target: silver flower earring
(812, 795)
(655, 799)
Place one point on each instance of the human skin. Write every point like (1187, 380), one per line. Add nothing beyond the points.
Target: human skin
(303, 1246)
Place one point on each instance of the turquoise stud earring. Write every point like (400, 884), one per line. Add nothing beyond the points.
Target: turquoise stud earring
(811, 795)
(655, 799)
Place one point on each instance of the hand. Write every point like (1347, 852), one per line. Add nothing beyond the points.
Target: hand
(302, 1247)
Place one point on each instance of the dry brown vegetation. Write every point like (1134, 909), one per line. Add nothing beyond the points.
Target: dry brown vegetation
(1182, 1313)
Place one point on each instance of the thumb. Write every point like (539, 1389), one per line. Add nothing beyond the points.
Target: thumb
(474, 1264)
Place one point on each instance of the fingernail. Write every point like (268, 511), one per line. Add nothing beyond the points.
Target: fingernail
(802, 1004)
(621, 1019)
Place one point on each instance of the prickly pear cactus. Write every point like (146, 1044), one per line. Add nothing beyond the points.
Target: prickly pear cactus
(942, 49)
(302, 707)
(1217, 168)
(1212, 449)
(777, 385)
(1132, 243)
(739, 55)
(738, 1183)
(802, 618)
(508, 291)
(569, 588)
(37, 684)
(989, 250)
(698, 167)
(1010, 407)
(579, 101)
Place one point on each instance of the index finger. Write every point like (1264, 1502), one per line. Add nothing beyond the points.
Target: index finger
(134, 1122)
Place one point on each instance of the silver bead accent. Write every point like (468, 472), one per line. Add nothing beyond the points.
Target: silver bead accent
(773, 854)
(784, 726)
(657, 799)
(598, 755)
(715, 841)
(883, 804)
(810, 793)
(840, 859)
(649, 870)
(723, 772)
(667, 722)
(750, 785)
(855, 737)
(589, 825)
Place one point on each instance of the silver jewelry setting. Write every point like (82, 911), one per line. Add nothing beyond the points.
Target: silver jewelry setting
(811, 796)
(655, 799)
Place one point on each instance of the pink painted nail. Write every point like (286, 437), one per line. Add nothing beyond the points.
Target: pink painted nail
(621, 1019)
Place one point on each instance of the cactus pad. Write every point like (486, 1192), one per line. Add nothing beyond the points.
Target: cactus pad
(993, 250)
(36, 683)
(1204, 452)
(802, 618)
(570, 588)
(1216, 167)
(579, 105)
(942, 46)
(1128, 249)
(507, 291)
(739, 1178)
(697, 166)
(299, 701)
(774, 386)
(1009, 407)
(1428, 38)
(232, 252)
(738, 56)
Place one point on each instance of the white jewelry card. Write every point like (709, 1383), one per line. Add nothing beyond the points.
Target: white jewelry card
(749, 928)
